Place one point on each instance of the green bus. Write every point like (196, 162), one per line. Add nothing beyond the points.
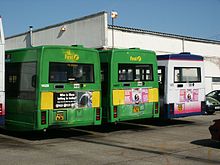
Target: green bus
(52, 86)
(129, 84)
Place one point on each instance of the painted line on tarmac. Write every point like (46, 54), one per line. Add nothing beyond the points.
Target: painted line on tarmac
(89, 132)
(175, 154)
(156, 126)
(139, 125)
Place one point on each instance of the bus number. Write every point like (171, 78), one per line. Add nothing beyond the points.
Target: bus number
(59, 116)
(180, 107)
(136, 109)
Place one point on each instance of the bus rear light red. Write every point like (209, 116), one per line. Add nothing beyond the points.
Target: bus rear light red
(156, 108)
(1, 111)
(43, 117)
(98, 114)
(115, 112)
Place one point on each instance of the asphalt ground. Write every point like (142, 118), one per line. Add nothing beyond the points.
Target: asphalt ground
(183, 141)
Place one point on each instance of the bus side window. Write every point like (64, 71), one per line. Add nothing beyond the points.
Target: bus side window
(21, 80)
(177, 75)
(161, 79)
(12, 79)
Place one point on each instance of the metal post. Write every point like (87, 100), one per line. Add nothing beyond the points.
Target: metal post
(31, 35)
(114, 15)
(112, 33)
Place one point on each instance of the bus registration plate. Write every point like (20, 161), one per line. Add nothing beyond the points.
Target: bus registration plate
(180, 107)
(59, 116)
(136, 109)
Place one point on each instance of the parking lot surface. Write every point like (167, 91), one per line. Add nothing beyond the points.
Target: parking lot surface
(183, 141)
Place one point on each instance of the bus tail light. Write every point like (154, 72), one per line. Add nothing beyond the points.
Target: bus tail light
(97, 113)
(171, 107)
(156, 108)
(115, 112)
(1, 112)
(43, 117)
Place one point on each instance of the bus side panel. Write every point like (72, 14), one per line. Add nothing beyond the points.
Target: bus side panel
(20, 114)
(21, 104)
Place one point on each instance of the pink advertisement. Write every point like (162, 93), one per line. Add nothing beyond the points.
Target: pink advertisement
(188, 95)
(136, 96)
(128, 96)
(182, 95)
(187, 108)
(195, 94)
(144, 95)
(188, 102)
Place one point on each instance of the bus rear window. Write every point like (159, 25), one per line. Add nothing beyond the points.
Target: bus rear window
(135, 72)
(71, 72)
(187, 74)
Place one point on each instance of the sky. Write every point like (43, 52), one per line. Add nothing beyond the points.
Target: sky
(194, 18)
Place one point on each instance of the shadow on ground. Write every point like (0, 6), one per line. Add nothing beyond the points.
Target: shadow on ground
(72, 132)
(134, 125)
(207, 143)
(162, 122)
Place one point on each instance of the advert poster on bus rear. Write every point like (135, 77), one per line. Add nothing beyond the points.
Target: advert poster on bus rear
(188, 95)
(128, 96)
(72, 99)
(136, 96)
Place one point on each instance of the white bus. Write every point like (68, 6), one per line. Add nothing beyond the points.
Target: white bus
(2, 74)
(181, 85)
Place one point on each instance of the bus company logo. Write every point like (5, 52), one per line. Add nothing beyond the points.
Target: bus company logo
(138, 58)
(71, 56)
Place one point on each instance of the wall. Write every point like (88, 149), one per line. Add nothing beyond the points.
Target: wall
(164, 45)
(160, 45)
(88, 31)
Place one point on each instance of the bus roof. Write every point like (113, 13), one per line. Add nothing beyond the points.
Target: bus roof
(126, 49)
(55, 46)
(181, 56)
